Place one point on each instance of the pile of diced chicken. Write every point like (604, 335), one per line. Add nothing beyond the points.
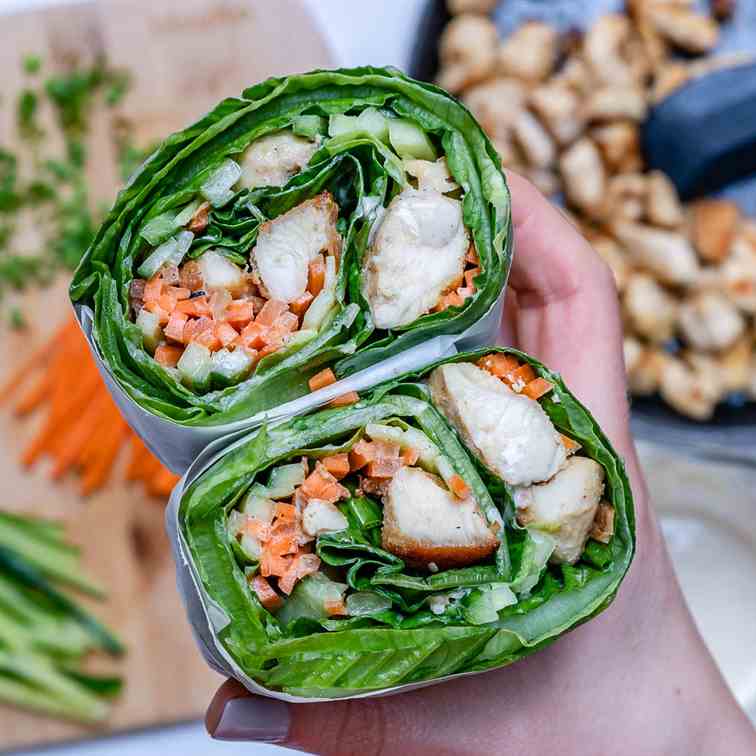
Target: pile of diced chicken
(494, 407)
(566, 110)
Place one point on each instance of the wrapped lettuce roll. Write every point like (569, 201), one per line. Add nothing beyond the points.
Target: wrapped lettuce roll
(449, 522)
(327, 220)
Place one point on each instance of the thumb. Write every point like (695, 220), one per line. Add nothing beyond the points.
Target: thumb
(363, 726)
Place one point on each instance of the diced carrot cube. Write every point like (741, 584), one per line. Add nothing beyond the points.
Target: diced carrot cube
(287, 322)
(209, 339)
(537, 388)
(316, 276)
(384, 467)
(253, 336)
(156, 309)
(469, 276)
(153, 288)
(180, 292)
(270, 564)
(271, 311)
(226, 333)
(452, 299)
(521, 377)
(322, 379)
(168, 301)
(345, 399)
(284, 544)
(472, 255)
(337, 465)
(299, 306)
(458, 487)
(197, 307)
(321, 484)
(285, 512)
(195, 326)
(265, 593)
(240, 313)
(362, 453)
(334, 607)
(168, 356)
(258, 529)
(569, 444)
(301, 566)
(500, 365)
(174, 330)
(269, 349)
(409, 456)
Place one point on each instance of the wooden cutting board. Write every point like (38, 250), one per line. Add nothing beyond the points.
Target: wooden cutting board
(184, 55)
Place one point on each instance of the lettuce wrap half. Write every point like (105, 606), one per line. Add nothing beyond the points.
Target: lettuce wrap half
(446, 523)
(323, 221)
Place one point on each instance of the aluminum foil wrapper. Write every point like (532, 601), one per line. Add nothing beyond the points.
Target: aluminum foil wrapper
(177, 446)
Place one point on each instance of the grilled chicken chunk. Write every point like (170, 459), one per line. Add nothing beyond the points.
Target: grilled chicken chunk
(509, 433)
(286, 246)
(565, 506)
(418, 253)
(424, 523)
(273, 159)
(322, 517)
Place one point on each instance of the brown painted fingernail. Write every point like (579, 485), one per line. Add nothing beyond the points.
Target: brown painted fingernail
(263, 720)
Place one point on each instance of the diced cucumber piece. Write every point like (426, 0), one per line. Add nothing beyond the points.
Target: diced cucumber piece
(259, 507)
(159, 228)
(370, 121)
(217, 187)
(322, 305)
(170, 252)
(230, 367)
(309, 598)
(194, 367)
(536, 553)
(373, 122)
(186, 214)
(409, 140)
(410, 438)
(251, 547)
(284, 479)
(486, 603)
(366, 602)
(340, 125)
(309, 126)
(149, 324)
(164, 225)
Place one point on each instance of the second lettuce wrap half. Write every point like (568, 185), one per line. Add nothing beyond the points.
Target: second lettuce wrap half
(323, 221)
(446, 523)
